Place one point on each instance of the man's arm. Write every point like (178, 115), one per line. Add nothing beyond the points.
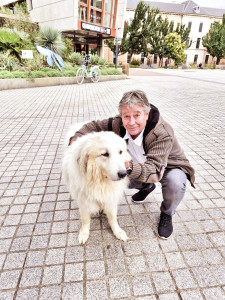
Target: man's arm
(93, 126)
(156, 160)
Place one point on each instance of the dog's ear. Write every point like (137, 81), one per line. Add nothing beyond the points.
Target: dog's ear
(82, 161)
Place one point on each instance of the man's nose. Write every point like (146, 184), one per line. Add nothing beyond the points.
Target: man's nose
(132, 120)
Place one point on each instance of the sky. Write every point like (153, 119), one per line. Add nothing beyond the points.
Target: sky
(203, 3)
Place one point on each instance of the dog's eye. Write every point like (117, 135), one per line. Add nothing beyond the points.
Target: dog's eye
(106, 154)
(120, 152)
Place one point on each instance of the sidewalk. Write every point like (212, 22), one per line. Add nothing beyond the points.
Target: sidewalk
(40, 257)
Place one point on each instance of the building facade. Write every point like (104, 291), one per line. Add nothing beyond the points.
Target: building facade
(197, 18)
(86, 22)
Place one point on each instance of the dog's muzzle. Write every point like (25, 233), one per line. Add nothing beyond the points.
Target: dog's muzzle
(121, 174)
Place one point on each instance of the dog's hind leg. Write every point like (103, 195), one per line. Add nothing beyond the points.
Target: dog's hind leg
(85, 227)
(118, 232)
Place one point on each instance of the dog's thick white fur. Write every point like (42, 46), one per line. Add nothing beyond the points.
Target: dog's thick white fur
(94, 171)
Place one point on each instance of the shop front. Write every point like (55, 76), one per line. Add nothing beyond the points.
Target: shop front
(96, 22)
(86, 22)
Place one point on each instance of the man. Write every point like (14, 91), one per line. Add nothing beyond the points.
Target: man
(156, 154)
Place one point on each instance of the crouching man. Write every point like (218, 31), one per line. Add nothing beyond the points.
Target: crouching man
(155, 151)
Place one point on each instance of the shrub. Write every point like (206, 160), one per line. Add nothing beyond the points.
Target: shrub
(134, 66)
(94, 59)
(19, 74)
(68, 48)
(135, 62)
(6, 75)
(51, 38)
(110, 65)
(70, 73)
(110, 72)
(101, 61)
(7, 62)
(54, 73)
(38, 74)
(36, 63)
(68, 66)
(76, 58)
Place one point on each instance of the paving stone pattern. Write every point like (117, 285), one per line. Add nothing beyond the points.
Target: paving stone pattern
(40, 257)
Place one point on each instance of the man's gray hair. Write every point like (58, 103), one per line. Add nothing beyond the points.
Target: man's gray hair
(135, 97)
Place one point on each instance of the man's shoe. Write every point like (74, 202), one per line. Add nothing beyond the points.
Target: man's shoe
(140, 196)
(165, 228)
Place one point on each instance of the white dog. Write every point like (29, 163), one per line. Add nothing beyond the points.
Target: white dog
(94, 171)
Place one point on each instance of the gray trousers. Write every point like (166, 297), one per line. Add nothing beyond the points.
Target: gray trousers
(173, 189)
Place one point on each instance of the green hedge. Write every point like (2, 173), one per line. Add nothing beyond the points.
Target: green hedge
(48, 72)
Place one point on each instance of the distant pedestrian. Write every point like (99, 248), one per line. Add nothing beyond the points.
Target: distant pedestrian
(149, 62)
(166, 63)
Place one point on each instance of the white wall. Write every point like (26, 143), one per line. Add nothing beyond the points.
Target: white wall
(58, 14)
(6, 2)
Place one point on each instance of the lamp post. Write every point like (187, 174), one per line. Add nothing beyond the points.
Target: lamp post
(116, 61)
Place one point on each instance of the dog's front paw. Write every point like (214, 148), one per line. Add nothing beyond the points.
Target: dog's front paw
(121, 235)
(83, 236)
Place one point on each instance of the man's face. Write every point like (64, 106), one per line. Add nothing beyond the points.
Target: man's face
(134, 119)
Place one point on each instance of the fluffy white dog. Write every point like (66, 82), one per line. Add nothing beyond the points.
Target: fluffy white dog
(94, 171)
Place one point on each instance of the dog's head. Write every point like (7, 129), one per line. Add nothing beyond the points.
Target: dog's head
(103, 155)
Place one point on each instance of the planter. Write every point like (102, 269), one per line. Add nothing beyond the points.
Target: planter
(21, 83)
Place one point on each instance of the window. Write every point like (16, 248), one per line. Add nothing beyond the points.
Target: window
(198, 43)
(206, 59)
(82, 10)
(92, 11)
(96, 3)
(106, 20)
(82, 13)
(200, 27)
(109, 12)
(95, 16)
(195, 59)
(189, 25)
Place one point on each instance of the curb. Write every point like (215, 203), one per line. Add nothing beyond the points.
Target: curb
(21, 83)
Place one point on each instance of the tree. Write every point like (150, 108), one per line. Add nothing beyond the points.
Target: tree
(184, 32)
(141, 27)
(175, 48)
(51, 38)
(156, 37)
(214, 40)
(135, 34)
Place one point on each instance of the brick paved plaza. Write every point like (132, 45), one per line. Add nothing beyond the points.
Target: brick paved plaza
(40, 257)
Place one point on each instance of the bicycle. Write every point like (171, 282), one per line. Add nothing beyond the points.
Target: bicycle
(94, 73)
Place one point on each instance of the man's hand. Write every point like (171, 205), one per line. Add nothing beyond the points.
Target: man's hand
(129, 166)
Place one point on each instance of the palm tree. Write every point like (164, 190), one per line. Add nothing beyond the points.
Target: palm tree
(51, 38)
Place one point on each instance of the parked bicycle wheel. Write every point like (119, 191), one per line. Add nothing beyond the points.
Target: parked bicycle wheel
(80, 75)
(96, 73)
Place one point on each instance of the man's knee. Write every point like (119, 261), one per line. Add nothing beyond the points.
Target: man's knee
(175, 180)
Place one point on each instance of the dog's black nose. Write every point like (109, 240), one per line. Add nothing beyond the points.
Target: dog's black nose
(122, 174)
